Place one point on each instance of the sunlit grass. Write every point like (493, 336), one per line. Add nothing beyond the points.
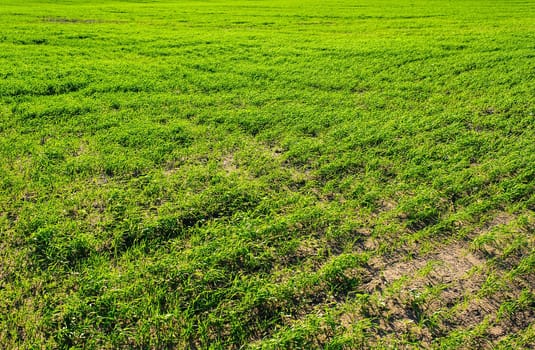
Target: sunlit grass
(264, 174)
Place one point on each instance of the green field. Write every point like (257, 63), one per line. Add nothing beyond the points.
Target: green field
(267, 174)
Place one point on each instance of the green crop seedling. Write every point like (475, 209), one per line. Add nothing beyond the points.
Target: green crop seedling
(267, 174)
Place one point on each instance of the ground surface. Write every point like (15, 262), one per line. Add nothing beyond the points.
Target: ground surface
(267, 174)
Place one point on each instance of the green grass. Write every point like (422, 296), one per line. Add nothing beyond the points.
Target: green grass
(267, 174)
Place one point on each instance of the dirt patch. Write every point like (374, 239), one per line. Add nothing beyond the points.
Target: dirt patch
(449, 264)
(408, 294)
(500, 219)
(388, 205)
(82, 149)
(474, 312)
(228, 163)
(172, 166)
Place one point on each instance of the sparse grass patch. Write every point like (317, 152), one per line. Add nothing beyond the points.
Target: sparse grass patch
(267, 174)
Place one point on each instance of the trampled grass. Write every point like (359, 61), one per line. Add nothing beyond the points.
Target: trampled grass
(267, 174)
